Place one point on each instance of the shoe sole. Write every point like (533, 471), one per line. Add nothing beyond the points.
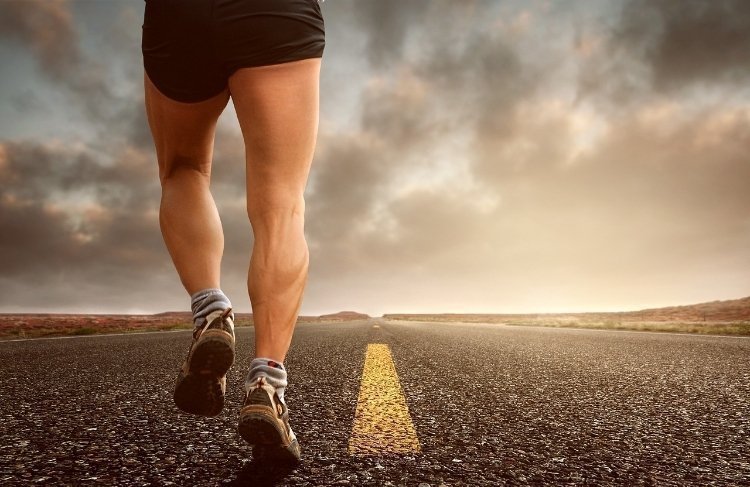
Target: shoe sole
(200, 392)
(200, 395)
(213, 355)
(259, 427)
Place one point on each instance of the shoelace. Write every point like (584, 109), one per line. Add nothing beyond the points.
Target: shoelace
(199, 329)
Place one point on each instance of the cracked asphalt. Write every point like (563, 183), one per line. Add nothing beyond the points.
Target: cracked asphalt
(491, 405)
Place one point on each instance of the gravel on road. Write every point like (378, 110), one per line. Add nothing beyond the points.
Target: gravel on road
(491, 405)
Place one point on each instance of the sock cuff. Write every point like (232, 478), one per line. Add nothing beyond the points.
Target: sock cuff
(204, 292)
(273, 371)
(205, 302)
(260, 361)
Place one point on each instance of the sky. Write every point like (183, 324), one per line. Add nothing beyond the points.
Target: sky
(472, 156)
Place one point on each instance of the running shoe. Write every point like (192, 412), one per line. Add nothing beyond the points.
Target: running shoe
(201, 383)
(264, 424)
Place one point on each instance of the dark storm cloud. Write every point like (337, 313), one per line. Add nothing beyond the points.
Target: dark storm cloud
(488, 80)
(344, 188)
(480, 66)
(47, 29)
(43, 171)
(63, 211)
(387, 24)
(459, 79)
(80, 222)
(689, 42)
(25, 246)
(82, 217)
(666, 46)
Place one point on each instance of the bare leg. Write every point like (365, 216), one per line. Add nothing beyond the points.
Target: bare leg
(277, 107)
(184, 138)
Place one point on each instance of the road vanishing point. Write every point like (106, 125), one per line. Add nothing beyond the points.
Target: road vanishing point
(380, 402)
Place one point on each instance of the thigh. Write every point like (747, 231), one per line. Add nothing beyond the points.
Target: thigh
(277, 107)
(183, 132)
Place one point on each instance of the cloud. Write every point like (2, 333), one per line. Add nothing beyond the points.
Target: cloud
(387, 25)
(83, 227)
(684, 43)
(630, 205)
(65, 211)
(409, 115)
(48, 30)
(668, 47)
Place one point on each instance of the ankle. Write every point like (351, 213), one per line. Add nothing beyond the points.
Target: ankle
(273, 372)
(207, 301)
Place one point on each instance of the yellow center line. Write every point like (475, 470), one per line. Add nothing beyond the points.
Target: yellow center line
(382, 423)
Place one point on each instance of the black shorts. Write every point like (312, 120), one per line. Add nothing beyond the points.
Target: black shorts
(191, 47)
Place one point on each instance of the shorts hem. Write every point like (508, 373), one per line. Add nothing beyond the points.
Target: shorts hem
(177, 96)
(317, 54)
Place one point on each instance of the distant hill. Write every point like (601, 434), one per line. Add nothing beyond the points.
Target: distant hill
(247, 318)
(240, 319)
(732, 314)
(27, 325)
(344, 316)
(715, 311)
(727, 310)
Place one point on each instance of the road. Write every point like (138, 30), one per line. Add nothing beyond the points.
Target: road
(490, 405)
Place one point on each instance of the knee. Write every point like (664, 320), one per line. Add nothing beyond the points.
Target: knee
(264, 209)
(176, 167)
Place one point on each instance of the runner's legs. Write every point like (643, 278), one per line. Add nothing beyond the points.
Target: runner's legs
(277, 107)
(184, 138)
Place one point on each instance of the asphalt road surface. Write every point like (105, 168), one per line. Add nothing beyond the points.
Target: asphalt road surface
(490, 404)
